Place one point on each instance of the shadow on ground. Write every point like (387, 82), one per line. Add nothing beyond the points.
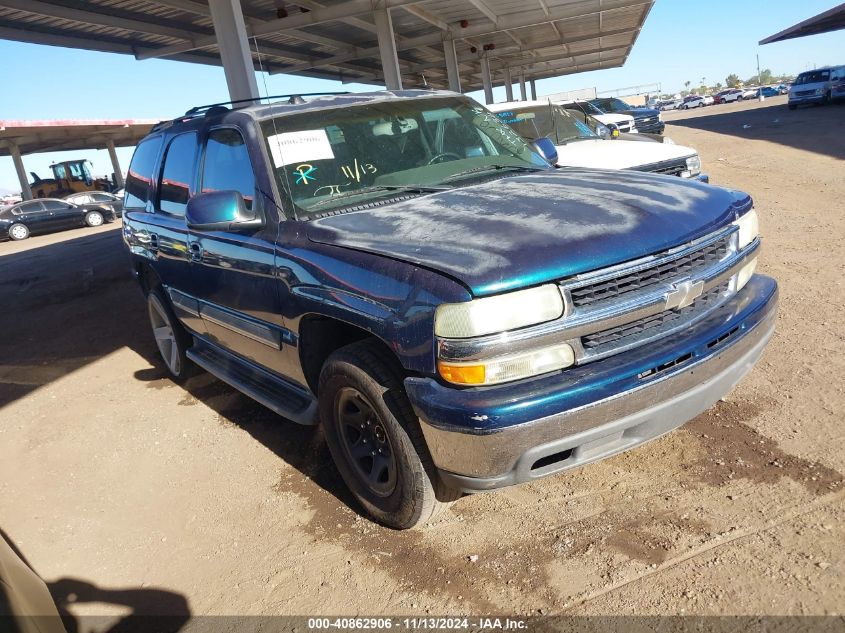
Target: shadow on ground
(65, 305)
(810, 128)
(150, 609)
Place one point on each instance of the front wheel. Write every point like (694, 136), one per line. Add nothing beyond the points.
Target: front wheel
(18, 232)
(94, 218)
(375, 438)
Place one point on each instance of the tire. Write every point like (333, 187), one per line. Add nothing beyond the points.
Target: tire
(361, 386)
(826, 99)
(18, 232)
(94, 218)
(171, 338)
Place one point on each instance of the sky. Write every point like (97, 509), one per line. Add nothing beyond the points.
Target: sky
(681, 41)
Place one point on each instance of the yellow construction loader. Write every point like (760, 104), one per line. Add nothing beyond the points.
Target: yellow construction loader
(70, 176)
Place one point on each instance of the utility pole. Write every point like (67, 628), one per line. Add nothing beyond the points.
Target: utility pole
(760, 96)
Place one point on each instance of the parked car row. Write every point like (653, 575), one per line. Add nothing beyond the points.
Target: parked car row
(405, 269)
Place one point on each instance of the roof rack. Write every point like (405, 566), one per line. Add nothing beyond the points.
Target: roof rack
(293, 98)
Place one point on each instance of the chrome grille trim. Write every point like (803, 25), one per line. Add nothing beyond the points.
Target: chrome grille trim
(580, 322)
(678, 265)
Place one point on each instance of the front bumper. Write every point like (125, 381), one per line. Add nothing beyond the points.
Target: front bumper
(795, 100)
(650, 128)
(487, 438)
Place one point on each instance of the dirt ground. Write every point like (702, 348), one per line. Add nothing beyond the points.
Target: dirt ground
(128, 492)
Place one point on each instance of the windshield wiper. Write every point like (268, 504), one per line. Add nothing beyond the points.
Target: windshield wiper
(377, 188)
(494, 167)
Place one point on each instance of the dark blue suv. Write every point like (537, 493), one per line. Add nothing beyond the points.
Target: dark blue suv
(405, 270)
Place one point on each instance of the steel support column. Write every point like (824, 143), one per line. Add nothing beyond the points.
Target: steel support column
(508, 84)
(387, 49)
(487, 80)
(115, 164)
(26, 191)
(452, 70)
(234, 48)
(522, 92)
(533, 89)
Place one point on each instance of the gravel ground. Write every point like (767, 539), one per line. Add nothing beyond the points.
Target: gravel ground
(129, 493)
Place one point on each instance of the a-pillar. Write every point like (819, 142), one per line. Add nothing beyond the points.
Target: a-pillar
(486, 80)
(508, 84)
(26, 190)
(115, 164)
(387, 49)
(233, 43)
(452, 69)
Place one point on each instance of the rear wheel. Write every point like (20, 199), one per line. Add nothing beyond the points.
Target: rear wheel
(94, 218)
(171, 338)
(375, 438)
(18, 232)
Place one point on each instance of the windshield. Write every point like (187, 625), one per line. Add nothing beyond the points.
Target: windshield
(812, 77)
(330, 158)
(548, 121)
(613, 105)
(588, 107)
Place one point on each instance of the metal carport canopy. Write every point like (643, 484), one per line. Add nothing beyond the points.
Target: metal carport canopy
(830, 20)
(345, 39)
(18, 138)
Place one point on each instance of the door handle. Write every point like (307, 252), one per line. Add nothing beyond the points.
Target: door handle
(195, 249)
(153, 242)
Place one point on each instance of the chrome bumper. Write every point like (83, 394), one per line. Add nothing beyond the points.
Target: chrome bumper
(475, 460)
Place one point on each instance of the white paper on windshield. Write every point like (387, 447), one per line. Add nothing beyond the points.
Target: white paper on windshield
(300, 147)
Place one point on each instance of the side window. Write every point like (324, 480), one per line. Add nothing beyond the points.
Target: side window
(29, 207)
(227, 166)
(54, 205)
(102, 197)
(140, 174)
(177, 175)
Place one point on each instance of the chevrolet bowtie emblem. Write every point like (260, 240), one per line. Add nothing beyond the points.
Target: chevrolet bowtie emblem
(684, 294)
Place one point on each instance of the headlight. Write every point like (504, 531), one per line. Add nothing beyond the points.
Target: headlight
(694, 165)
(508, 368)
(745, 273)
(819, 91)
(500, 313)
(749, 228)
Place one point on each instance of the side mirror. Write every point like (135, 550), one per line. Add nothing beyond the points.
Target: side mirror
(220, 211)
(545, 147)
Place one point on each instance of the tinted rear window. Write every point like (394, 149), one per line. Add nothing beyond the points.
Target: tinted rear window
(140, 175)
(178, 174)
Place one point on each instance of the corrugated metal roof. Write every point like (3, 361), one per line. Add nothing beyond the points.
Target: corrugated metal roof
(540, 38)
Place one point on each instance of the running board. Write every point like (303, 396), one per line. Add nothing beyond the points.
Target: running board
(288, 401)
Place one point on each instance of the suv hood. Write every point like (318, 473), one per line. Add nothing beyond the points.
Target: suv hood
(618, 154)
(642, 113)
(525, 230)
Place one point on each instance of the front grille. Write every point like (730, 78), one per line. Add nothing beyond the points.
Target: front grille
(805, 93)
(668, 169)
(654, 325)
(684, 266)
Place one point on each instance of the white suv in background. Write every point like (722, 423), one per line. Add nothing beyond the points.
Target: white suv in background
(578, 146)
(622, 122)
(815, 86)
